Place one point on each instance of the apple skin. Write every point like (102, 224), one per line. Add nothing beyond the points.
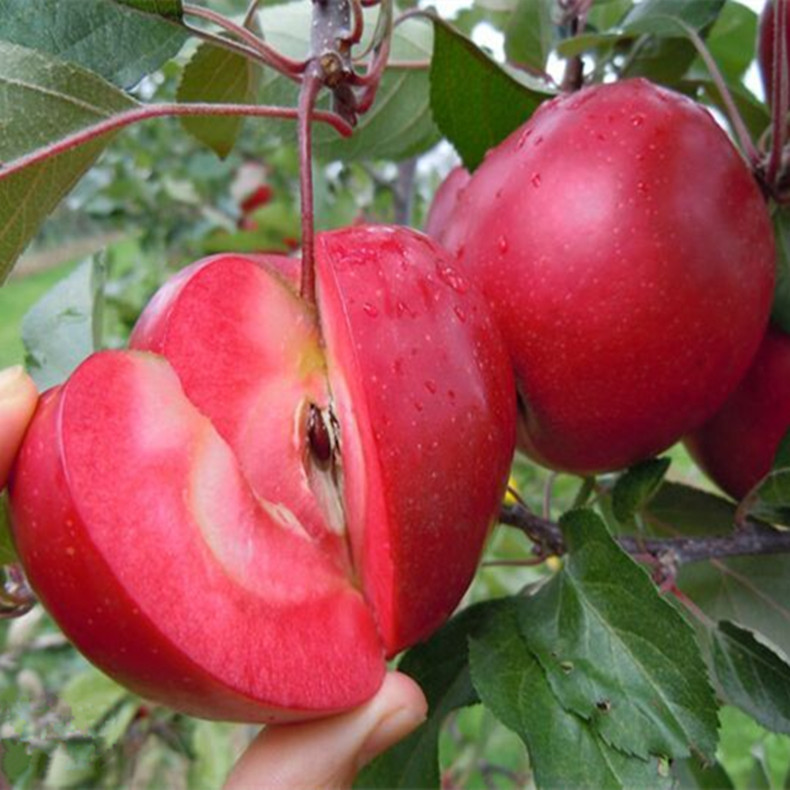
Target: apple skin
(736, 447)
(629, 259)
(444, 202)
(219, 581)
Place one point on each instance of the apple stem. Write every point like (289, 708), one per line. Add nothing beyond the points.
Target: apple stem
(143, 113)
(311, 84)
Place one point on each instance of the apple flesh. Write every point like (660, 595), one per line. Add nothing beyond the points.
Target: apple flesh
(242, 516)
(629, 258)
(736, 447)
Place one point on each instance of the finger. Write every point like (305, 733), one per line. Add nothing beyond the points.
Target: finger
(328, 753)
(18, 399)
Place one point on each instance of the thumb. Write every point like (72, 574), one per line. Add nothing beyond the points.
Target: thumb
(18, 399)
(325, 754)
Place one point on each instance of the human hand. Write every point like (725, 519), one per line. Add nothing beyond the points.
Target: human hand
(327, 754)
(18, 398)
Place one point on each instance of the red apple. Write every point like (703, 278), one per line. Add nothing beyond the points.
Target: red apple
(736, 447)
(629, 258)
(444, 203)
(245, 514)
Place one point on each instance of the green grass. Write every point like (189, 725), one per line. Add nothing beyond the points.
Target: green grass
(16, 298)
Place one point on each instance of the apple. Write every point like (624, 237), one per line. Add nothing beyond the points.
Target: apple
(444, 202)
(736, 447)
(628, 255)
(247, 512)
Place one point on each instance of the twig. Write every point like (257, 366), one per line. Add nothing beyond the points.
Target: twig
(753, 539)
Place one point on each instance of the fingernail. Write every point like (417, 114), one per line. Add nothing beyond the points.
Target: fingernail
(389, 731)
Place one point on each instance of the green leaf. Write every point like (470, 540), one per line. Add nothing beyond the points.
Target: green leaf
(657, 16)
(637, 487)
(103, 36)
(91, 696)
(440, 667)
(169, 9)
(213, 745)
(691, 774)
(616, 653)
(7, 551)
(665, 55)
(780, 312)
(689, 511)
(117, 723)
(564, 749)
(43, 100)
(72, 764)
(752, 675)
(731, 40)
(753, 591)
(475, 103)
(61, 329)
(771, 500)
(217, 76)
(529, 34)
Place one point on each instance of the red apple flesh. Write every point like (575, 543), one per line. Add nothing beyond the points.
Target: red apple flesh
(736, 447)
(629, 258)
(244, 515)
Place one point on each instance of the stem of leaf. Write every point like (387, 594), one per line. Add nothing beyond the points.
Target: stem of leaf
(121, 120)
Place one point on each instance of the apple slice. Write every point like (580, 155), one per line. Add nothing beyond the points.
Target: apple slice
(152, 553)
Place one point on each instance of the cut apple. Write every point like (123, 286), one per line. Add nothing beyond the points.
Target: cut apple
(244, 515)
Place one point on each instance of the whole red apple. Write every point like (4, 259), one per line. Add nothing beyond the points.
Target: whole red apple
(736, 447)
(245, 514)
(629, 258)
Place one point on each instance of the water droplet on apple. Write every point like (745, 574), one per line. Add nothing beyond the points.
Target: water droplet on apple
(535, 180)
(452, 277)
(523, 137)
(418, 405)
(458, 310)
(637, 119)
(430, 385)
(370, 309)
(502, 244)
